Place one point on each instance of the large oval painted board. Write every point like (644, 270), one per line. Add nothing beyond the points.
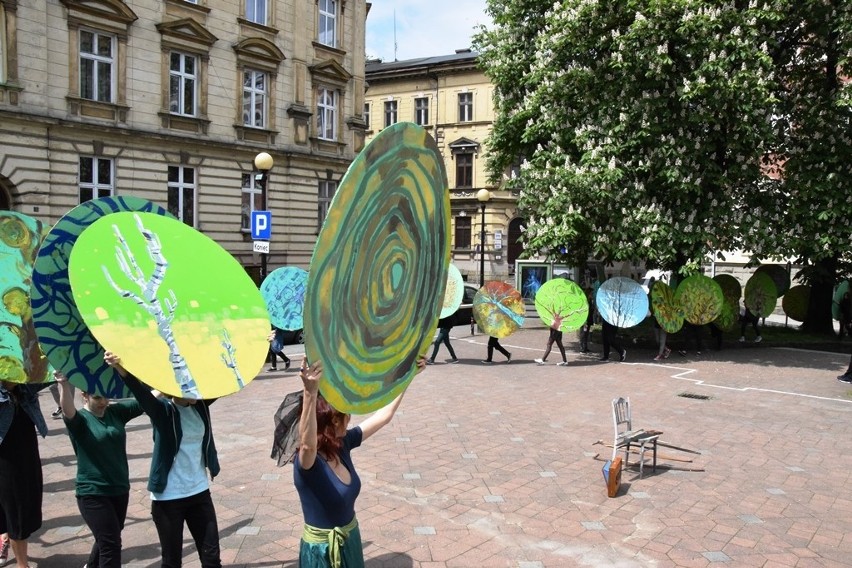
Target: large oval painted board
(498, 309)
(779, 276)
(563, 297)
(731, 288)
(700, 297)
(21, 358)
(143, 284)
(379, 269)
(622, 302)
(795, 302)
(760, 294)
(665, 308)
(64, 336)
(283, 290)
(454, 294)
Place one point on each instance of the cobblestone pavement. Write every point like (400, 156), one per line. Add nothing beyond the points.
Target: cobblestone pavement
(497, 465)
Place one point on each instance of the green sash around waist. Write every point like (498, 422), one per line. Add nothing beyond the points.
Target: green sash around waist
(335, 538)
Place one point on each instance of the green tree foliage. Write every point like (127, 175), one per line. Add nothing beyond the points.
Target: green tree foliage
(645, 128)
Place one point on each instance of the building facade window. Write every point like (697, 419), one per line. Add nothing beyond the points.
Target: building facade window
(254, 98)
(97, 62)
(328, 22)
(367, 115)
(463, 232)
(95, 178)
(256, 11)
(326, 114)
(181, 193)
(252, 191)
(421, 111)
(183, 80)
(464, 170)
(327, 189)
(465, 107)
(390, 113)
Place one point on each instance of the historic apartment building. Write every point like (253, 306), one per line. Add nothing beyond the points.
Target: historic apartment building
(171, 100)
(452, 99)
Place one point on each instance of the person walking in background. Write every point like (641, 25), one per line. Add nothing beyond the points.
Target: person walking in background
(692, 331)
(184, 452)
(845, 315)
(276, 349)
(554, 337)
(325, 476)
(21, 481)
(494, 343)
(660, 335)
(847, 376)
(747, 318)
(54, 392)
(611, 342)
(586, 329)
(444, 327)
(99, 439)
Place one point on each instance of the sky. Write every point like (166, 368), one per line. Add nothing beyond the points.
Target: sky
(424, 28)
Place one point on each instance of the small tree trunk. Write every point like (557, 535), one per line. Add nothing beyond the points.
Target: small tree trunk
(819, 318)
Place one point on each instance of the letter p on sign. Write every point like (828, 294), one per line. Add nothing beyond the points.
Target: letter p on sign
(261, 225)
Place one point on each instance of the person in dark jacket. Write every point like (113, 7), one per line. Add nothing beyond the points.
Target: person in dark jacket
(444, 327)
(184, 451)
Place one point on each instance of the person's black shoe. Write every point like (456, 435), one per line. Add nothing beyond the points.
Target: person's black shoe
(286, 364)
(845, 378)
(604, 359)
(271, 369)
(509, 358)
(56, 413)
(623, 356)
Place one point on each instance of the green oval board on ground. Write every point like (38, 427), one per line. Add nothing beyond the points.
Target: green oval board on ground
(760, 294)
(563, 297)
(700, 298)
(379, 270)
(795, 302)
(665, 308)
(21, 358)
(454, 293)
(498, 309)
(181, 312)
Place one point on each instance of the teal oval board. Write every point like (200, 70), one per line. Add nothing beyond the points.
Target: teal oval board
(379, 269)
(67, 342)
(21, 357)
(181, 312)
(454, 294)
(283, 290)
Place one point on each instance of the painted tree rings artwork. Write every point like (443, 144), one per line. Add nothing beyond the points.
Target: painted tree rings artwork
(67, 342)
(142, 284)
(700, 298)
(665, 308)
(622, 302)
(731, 292)
(760, 294)
(780, 277)
(454, 293)
(795, 302)
(379, 270)
(498, 309)
(563, 297)
(283, 290)
(21, 357)
(730, 286)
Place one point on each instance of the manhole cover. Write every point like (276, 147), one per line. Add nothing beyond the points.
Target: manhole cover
(695, 396)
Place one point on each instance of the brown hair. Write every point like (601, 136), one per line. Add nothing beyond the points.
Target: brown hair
(328, 443)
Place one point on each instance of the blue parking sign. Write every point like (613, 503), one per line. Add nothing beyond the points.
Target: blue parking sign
(261, 225)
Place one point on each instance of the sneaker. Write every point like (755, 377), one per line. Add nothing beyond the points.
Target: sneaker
(562, 364)
(667, 353)
(659, 358)
(271, 369)
(509, 358)
(845, 378)
(742, 339)
(758, 339)
(430, 362)
(540, 361)
(486, 362)
(682, 352)
(604, 359)
(454, 360)
(4, 551)
(623, 356)
(56, 413)
(286, 364)
(698, 353)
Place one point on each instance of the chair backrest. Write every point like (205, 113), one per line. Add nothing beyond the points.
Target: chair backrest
(621, 416)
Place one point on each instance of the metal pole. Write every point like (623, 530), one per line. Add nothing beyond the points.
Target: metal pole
(263, 256)
(482, 250)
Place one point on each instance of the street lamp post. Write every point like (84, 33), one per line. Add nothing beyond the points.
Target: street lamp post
(483, 195)
(263, 162)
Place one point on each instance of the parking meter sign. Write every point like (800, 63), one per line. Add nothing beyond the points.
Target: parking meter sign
(261, 225)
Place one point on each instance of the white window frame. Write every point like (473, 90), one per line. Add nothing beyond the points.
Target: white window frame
(257, 11)
(180, 185)
(98, 63)
(466, 107)
(186, 80)
(325, 193)
(252, 188)
(421, 111)
(98, 186)
(326, 113)
(256, 98)
(327, 22)
(391, 110)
